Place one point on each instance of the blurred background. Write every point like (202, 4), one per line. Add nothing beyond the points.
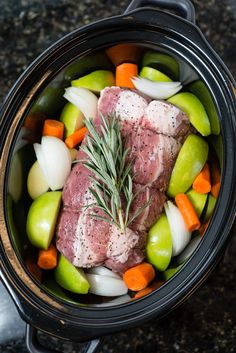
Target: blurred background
(206, 323)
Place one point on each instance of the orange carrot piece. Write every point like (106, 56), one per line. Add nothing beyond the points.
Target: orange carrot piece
(47, 259)
(75, 138)
(203, 228)
(202, 183)
(138, 277)
(33, 268)
(124, 73)
(147, 290)
(53, 128)
(121, 53)
(215, 177)
(141, 293)
(189, 214)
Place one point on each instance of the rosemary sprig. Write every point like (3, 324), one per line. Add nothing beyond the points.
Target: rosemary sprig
(112, 174)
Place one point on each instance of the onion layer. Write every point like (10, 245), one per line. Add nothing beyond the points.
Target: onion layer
(54, 160)
(156, 90)
(106, 285)
(83, 99)
(102, 271)
(179, 232)
(117, 301)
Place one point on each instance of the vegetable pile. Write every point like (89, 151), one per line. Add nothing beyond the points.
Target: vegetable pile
(192, 190)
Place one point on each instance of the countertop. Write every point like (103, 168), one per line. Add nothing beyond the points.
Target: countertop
(206, 322)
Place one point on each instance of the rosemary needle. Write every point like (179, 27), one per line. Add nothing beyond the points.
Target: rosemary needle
(112, 180)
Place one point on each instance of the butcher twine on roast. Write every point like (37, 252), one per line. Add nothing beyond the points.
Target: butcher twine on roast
(152, 131)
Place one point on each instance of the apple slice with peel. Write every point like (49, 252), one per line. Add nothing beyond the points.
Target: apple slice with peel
(15, 185)
(163, 62)
(70, 277)
(201, 91)
(171, 272)
(153, 74)
(95, 81)
(194, 109)
(49, 102)
(72, 118)
(190, 161)
(211, 202)
(42, 218)
(36, 182)
(197, 200)
(159, 244)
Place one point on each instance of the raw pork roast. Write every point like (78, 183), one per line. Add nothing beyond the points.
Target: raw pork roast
(153, 131)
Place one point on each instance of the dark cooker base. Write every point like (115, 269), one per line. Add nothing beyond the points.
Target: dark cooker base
(206, 322)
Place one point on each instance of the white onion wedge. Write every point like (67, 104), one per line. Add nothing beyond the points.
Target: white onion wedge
(54, 160)
(117, 301)
(102, 271)
(190, 248)
(83, 99)
(179, 232)
(156, 90)
(106, 285)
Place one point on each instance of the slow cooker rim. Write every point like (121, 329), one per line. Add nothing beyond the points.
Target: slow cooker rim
(79, 30)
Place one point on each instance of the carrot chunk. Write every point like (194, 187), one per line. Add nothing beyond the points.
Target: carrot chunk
(141, 293)
(124, 73)
(189, 214)
(147, 290)
(47, 259)
(203, 228)
(53, 128)
(75, 138)
(215, 177)
(121, 53)
(138, 277)
(202, 183)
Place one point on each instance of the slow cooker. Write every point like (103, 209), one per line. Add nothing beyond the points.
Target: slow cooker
(146, 27)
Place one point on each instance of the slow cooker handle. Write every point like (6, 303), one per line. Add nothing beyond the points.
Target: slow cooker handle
(184, 7)
(34, 346)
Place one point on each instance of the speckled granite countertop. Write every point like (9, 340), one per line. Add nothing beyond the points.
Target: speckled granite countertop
(206, 323)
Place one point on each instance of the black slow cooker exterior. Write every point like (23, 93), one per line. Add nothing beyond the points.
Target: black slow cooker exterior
(153, 28)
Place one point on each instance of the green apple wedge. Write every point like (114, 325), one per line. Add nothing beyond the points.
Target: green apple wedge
(53, 287)
(72, 118)
(190, 161)
(36, 182)
(15, 184)
(211, 202)
(200, 90)
(42, 218)
(194, 109)
(95, 81)
(70, 277)
(50, 101)
(197, 200)
(163, 62)
(171, 272)
(16, 234)
(87, 64)
(154, 75)
(159, 244)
